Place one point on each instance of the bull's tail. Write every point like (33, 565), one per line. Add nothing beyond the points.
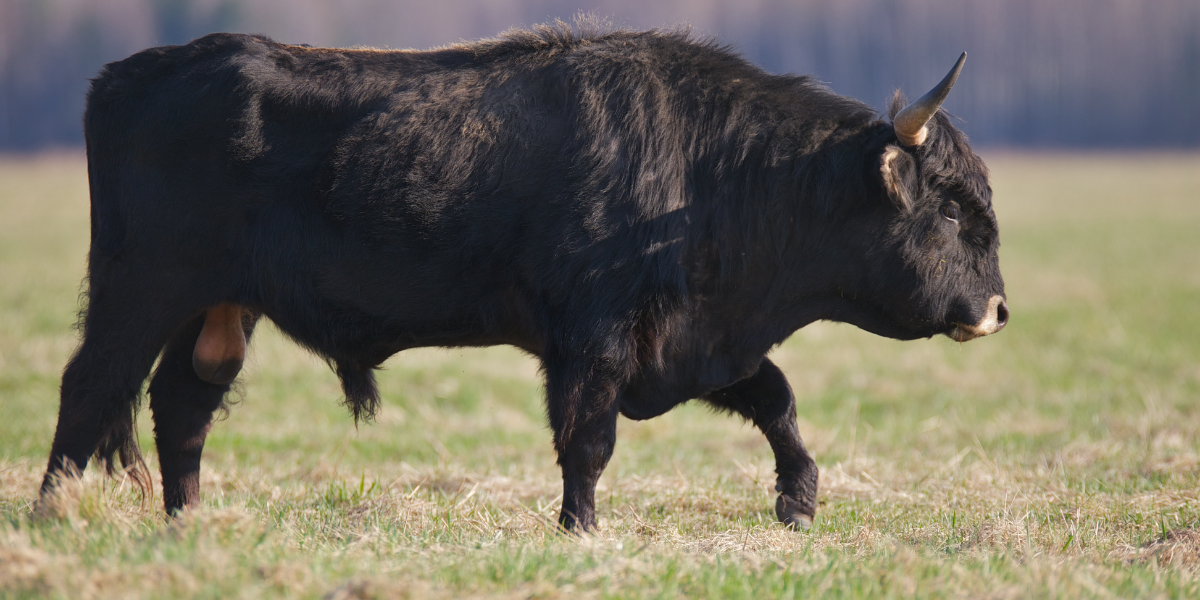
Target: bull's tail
(121, 336)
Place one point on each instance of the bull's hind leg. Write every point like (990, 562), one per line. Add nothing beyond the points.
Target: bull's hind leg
(766, 399)
(102, 381)
(183, 405)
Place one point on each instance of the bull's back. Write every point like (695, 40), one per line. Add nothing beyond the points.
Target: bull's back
(237, 102)
(402, 138)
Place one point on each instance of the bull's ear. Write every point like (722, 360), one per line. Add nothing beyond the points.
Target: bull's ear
(899, 172)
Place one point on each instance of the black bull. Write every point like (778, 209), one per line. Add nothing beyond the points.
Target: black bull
(646, 214)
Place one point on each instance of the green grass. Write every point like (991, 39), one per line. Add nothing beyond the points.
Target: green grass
(1059, 458)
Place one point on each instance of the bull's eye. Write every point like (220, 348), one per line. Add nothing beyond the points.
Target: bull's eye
(950, 211)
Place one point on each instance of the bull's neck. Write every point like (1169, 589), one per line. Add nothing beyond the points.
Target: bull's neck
(788, 236)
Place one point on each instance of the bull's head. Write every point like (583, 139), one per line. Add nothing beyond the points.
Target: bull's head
(935, 267)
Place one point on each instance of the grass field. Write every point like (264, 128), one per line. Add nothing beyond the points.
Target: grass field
(1059, 458)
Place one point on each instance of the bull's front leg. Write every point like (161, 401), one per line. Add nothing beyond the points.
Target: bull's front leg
(766, 399)
(582, 406)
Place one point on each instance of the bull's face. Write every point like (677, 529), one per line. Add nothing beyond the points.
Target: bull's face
(941, 239)
(932, 250)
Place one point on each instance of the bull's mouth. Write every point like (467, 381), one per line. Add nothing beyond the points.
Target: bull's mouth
(994, 320)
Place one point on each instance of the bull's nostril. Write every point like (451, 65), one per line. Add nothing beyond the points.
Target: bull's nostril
(1002, 314)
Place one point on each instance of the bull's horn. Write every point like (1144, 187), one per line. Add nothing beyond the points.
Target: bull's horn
(910, 122)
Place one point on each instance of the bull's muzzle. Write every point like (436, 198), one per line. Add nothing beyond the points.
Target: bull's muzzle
(994, 320)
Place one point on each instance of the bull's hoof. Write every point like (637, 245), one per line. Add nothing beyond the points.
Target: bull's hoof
(790, 514)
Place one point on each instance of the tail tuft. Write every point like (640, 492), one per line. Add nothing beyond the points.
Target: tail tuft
(119, 442)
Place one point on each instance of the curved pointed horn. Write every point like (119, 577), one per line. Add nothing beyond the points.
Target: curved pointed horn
(910, 122)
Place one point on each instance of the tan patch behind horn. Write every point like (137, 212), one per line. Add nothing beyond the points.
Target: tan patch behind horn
(892, 180)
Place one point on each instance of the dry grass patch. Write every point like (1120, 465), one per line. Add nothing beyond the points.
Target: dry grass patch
(1179, 549)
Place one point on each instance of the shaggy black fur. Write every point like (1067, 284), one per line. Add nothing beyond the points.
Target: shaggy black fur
(646, 213)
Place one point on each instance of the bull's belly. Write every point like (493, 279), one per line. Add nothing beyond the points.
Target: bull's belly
(655, 391)
(367, 328)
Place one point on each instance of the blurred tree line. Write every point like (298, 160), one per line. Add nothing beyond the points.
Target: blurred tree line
(1041, 73)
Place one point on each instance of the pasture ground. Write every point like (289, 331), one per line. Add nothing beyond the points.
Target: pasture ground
(1059, 458)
